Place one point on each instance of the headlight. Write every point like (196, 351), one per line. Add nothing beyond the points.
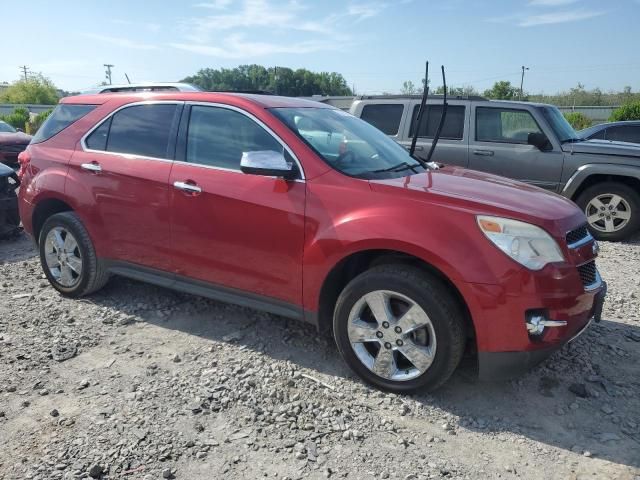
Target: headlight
(527, 244)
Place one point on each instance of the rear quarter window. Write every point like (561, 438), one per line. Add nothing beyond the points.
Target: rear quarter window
(61, 117)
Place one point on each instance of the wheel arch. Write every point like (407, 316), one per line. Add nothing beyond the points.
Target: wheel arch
(592, 174)
(44, 209)
(358, 262)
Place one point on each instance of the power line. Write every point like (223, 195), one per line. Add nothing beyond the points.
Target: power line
(107, 72)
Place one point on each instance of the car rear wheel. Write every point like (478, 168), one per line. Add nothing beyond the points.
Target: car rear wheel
(612, 210)
(399, 329)
(68, 258)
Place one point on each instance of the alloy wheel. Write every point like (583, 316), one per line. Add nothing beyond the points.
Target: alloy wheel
(62, 256)
(608, 212)
(392, 335)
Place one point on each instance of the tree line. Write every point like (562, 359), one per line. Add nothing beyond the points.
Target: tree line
(280, 80)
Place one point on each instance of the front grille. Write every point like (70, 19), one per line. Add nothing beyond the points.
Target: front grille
(574, 236)
(588, 273)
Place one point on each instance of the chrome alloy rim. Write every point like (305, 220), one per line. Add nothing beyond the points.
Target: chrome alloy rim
(392, 335)
(62, 256)
(608, 213)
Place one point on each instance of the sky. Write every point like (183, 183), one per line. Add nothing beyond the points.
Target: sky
(375, 44)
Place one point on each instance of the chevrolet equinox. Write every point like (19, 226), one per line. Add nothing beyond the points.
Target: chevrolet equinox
(300, 209)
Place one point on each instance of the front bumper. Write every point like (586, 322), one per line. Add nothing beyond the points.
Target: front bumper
(509, 364)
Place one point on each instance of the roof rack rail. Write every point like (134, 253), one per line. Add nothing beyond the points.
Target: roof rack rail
(418, 97)
(253, 92)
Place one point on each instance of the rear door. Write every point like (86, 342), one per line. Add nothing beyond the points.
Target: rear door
(230, 229)
(452, 148)
(121, 172)
(499, 145)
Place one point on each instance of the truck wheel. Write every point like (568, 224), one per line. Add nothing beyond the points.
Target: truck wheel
(68, 258)
(399, 329)
(612, 210)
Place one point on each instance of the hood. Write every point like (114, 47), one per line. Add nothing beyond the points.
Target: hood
(17, 138)
(489, 194)
(603, 147)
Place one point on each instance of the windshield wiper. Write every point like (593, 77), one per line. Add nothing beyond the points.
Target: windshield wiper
(572, 140)
(399, 168)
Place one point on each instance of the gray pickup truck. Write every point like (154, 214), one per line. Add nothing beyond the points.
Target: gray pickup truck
(530, 142)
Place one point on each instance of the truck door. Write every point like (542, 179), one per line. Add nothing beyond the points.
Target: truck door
(498, 144)
(452, 148)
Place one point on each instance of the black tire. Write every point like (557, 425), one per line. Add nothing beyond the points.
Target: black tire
(93, 275)
(630, 196)
(427, 292)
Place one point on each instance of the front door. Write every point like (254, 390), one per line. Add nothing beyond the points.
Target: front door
(499, 145)
(232, 229)
(121, 174)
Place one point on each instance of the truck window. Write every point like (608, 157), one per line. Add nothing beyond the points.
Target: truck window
(453, 128)
(625, 133)
(504, 125)
(385, 117)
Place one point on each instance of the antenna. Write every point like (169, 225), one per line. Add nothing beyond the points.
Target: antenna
(425, 94)
(127, 76)
(442, 117)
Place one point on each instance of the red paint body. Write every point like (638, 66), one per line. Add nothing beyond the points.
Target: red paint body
(281, 239)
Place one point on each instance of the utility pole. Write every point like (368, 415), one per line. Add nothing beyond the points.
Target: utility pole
(522, 81)
(25, 70)
(107, 72)
(275, 77)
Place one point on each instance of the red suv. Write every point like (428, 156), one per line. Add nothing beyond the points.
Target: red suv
(302, 210)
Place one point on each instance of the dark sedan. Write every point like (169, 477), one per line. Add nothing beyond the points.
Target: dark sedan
(614, 131)
(12, 142)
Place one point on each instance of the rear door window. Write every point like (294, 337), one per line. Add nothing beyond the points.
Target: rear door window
(504, 125)
(141, 130)
(453, 128)
(61, 117)
(385, 117)
(625, 133)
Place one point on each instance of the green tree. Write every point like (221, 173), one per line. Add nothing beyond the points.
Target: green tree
(502, 90)
(281, 80)
(628, 111)
(18, 119)
(36, 89)
(408, 88)
(578, 120)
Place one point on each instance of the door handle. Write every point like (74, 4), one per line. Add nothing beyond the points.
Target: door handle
(92, 167)
(485, 153)
(187, 187)
(418, 147)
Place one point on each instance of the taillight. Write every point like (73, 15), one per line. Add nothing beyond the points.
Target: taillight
(24, 158)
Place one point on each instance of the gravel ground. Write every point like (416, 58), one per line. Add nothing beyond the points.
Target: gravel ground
(140, 382)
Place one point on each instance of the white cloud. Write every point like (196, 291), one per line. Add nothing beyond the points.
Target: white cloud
(263, 27)
(558, 17)
(215, 4)
(237, 46)
(551, 3)
(120, 41)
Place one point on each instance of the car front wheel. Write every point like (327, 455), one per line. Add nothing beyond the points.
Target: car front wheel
(399, 329)
(612, 210)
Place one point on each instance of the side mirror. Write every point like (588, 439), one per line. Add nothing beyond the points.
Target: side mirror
(20, 130)
(266, 162)
(540, 141)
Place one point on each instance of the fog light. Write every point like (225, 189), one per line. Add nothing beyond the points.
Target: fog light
(537, 323)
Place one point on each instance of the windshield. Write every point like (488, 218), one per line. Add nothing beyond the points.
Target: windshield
(348, 144)
(6, 128)
(563, 129)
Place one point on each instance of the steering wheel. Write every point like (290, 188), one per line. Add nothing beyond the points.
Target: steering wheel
(342, 158)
